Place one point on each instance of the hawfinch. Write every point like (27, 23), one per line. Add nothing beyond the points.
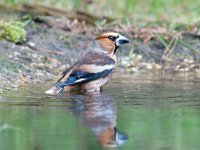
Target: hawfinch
(95, 69)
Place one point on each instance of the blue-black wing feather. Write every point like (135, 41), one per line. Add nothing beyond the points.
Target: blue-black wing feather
(86, 76)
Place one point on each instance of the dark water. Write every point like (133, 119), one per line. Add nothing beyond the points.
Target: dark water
(133, 112)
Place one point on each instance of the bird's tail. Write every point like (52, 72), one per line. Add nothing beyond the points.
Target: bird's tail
(54, 90)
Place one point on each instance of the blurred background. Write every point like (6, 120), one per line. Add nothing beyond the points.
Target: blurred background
(184, 11)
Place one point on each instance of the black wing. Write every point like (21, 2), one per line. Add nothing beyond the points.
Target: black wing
(78, 77)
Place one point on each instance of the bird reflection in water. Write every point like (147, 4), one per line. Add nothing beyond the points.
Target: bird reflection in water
(98, 112)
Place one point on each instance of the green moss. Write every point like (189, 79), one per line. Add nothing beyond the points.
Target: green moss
(12, 31)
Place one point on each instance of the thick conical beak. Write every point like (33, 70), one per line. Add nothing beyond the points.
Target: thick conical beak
(121, 40)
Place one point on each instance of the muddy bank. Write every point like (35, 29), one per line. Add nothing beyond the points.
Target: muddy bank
(53, 43)
(48, 50)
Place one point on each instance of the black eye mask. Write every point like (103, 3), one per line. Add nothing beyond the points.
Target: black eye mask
(112, 38)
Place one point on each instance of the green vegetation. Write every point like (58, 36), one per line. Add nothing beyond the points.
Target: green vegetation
(184, 11)
(12, 31)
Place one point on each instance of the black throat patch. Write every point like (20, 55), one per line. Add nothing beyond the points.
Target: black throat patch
(116, 47)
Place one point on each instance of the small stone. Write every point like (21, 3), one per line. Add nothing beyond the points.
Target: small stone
(134, 69)
(14, 86)
(184, 70)
(39, 74)
(149, 66)
(17, 54)
(31, 43)
(139, 57)
(34, 55)
(157, 66)
(190, 61)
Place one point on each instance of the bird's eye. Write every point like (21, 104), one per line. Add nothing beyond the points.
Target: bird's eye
(112, 38)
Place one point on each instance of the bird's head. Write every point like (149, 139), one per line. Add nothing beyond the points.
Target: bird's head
(109, 42)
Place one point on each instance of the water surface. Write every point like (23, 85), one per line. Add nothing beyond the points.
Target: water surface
(133, 112)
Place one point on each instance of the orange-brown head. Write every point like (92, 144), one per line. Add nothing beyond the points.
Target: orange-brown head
(109, 42)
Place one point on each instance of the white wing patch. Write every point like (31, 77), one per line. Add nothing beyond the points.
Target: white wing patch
(96, 69)
(103, 68)
(93, 69)
(81, 79)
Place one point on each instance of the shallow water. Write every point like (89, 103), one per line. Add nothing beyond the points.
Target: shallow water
(133, 112)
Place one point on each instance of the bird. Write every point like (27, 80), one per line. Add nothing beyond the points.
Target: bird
(92, 71)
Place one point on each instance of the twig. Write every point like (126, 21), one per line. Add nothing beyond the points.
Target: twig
(175, 39)
(171, 45)
(45, 50)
